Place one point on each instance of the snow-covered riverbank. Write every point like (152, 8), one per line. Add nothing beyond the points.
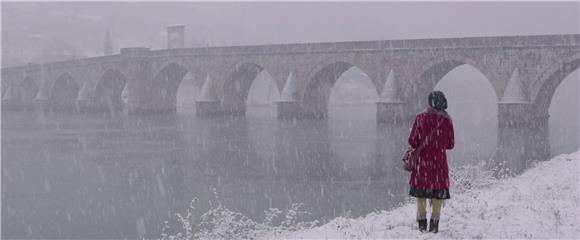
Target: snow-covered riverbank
(543, 202)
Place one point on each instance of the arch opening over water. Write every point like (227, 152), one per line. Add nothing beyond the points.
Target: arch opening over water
(64, 93)
(558, 98)
(344, 97)
(175, 88)
(353, 94)
(262, 97)
(108, 95)
(473, 106)
(352, 110)
(549, 87)
(237, 87)
(564, 121)
(322, 88)
(28, 90)
(188, 92)
(434, 74)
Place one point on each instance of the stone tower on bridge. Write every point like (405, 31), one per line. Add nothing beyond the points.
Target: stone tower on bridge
(176, 36)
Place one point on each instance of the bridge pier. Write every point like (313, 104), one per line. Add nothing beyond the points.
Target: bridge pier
(139, 97)
(83, 106)
(313, 113)
(11, 100)
(28, 105)
(233, 109)
(63, 107)
(41, 104)
(87, 106)
(208, 108)
(393, 137)
(288, 110)
(11, 105)
(522, 138)
(392, 112)
(393, 124)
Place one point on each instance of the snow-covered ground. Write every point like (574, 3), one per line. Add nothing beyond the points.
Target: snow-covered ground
(543, 202)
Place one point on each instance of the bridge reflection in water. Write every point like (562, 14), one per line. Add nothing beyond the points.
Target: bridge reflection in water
(89, 176)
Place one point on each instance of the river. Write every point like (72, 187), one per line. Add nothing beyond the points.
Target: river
(95, 176)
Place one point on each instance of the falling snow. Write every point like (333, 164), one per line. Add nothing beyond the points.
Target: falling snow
(284, 120)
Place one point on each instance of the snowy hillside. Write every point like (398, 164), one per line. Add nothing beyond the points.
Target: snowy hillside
(541, 203)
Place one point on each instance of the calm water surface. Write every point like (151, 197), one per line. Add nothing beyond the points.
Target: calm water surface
(92, 176)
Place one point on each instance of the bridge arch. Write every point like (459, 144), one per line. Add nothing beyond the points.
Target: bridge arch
(319, 87)
(473, 105)
(28, 89)
(262, 95)
(167, 82)
(236, 87)
(554, 76)
(431, 74)
(562, 127)
(64, 93)
(564, 121)
(108, 92)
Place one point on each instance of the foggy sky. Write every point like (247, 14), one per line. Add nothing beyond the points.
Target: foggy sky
(29, 25)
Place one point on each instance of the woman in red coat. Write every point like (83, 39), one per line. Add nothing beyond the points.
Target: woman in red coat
(433, 131)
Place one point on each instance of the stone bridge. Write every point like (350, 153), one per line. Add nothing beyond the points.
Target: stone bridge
(524, 71)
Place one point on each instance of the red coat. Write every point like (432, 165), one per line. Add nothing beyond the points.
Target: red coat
(432, 171)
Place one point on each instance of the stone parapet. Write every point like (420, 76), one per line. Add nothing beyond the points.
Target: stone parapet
(135, 52)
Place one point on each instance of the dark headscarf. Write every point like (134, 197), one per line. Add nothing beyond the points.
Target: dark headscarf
(437, 100)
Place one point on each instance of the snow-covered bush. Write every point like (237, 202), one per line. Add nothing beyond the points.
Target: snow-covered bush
(468, 177)
(294, 219)
(271, 216)
(219, 222)
(222, 223)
